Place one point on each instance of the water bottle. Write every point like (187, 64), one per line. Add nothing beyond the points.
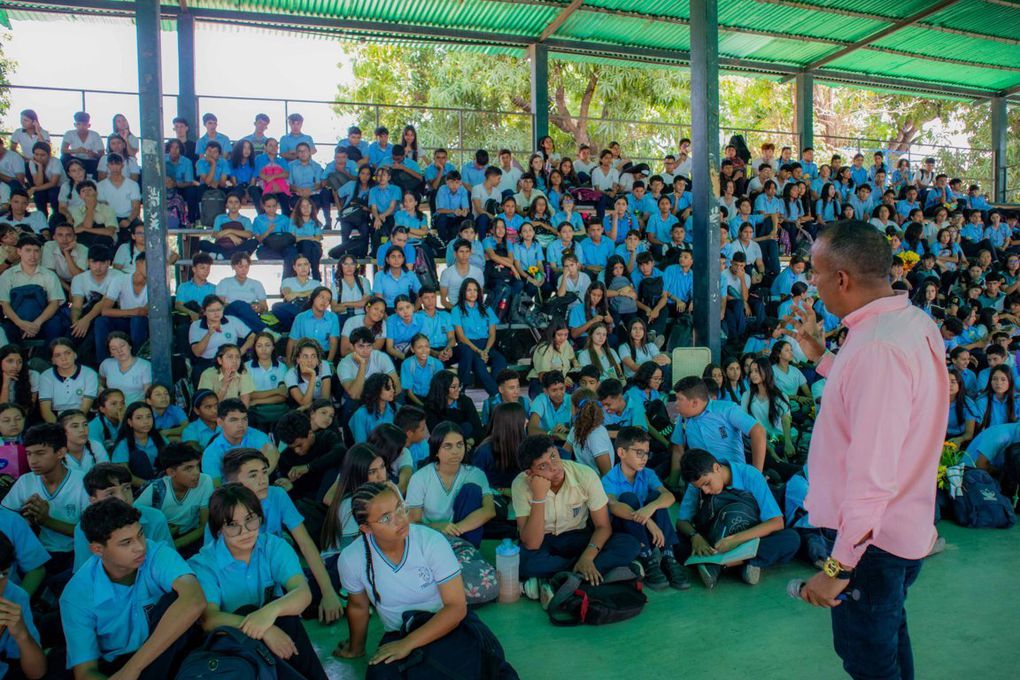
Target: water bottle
(508, 560)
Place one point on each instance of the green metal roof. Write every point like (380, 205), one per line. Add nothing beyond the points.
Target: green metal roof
(963, 49)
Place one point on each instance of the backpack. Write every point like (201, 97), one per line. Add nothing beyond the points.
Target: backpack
(725, 514)
(29, 301)
(619, 597)
(229, 654)
(468, 651)
(559, 306)
(658, 417)
(214, 203)
(425, 266)
(585, 194)
(980, 504)
(650, 291)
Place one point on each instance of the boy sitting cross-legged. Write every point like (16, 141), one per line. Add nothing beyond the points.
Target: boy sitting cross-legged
(182, 495)
(639, 505)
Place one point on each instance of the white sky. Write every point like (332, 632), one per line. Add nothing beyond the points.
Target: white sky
(226, 64)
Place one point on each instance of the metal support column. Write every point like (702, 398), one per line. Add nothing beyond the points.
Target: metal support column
(538, 56)
(805, 99)
(187, 99)
(150, 99)
(705, 179)
(1000, 130)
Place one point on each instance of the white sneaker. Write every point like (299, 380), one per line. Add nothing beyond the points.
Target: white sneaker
(531, 588)
(751, 575)
(546, 594)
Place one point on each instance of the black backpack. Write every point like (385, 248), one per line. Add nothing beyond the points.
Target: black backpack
(658, 418)
(619, 597)
(650, 291)
(981, 504)
(726, 513)
(425, 266)
(212, 205)
(229, 654)
(468, 651)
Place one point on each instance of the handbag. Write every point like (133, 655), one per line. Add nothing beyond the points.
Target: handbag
(13, 461)
(279, 241)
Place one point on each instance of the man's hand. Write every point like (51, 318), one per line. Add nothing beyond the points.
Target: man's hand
(642, 515)
(822, 590)
(586, 568)
(726, 544)
(257, 623)
(279, 643)
(700, 546)
(297, 472)
(658, 539)
(810, 334)
(539, 485)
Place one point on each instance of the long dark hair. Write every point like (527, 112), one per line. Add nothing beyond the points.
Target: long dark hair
(643, 375)
(506, 432)
(603, 307)
(990, 395)
(768, 386)
(437, 400)
(607, 273)
(388, 441)
(237, 155)
(353, 474)
(23, 387)
(438, 434)
(371, 393)
(960, 400)
(462, 300)
(594, 357)
(126, 434)
(556, 325)
(630, 341)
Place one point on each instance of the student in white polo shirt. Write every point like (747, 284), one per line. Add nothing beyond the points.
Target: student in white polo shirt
(125, 308)
(81, 143)
(244, 297)
(124, 371)
(83, 454)
(64, 256)
(358, 366)
(52, 497)
(122, 194)
(87, 292)
(67, 384)
(214, 329)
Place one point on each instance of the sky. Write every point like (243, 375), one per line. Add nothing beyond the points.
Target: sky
(226, 65)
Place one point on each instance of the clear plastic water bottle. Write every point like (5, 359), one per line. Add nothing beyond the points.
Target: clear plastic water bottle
(508, 562)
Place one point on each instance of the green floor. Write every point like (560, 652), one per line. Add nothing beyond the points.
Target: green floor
(963, 614)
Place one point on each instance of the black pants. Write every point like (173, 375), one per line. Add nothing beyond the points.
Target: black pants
(306, 661)
(1009, 479)
(167, 663)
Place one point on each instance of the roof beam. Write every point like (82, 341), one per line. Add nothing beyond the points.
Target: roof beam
(555, 24)
(878, 35)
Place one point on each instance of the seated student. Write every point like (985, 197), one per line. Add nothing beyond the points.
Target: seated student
(232, 421)
(192, 293)
(597, 352)
(82, 143)
(815, 544)
(250, 468)
(377, 399)
(374, 320)
(452, 205)
(232, 231)
(622, 408)
(359, 365)
(108, 480)
(550, 412)
(733, 482)
(412, 422)
(454, 276)
(109, 413)
(64, 256)
(200, 431)
(310, 377)
(51, 497)
(389, 539)
(19, 216)
(718, 426)
(390, 442)
(307, 232)
(228, 377)
(68, 384)
(211, 332)
(447, 401)
(466, 232)
(138, 443)
(125, 309)
(88, 289)
(29, 554)
(454, 499)
(82, 453)
(639, 505)
(436, 324)
(309, 459)
(555, 500)
(181, 495)
(475, 326)
(244, 297)
(94, 221)
(167, 417)
(417, 370)
(508, 382)
(123, 195)
(31, 297)
(588, 440)
(212, 170)
(21, 656)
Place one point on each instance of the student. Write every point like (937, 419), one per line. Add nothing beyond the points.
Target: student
(706, 476)
(18, 383)
(29, 554)
(307, 232)
(588, 440)
(599, 354)
(107, 480)
(508, 382)
(212, 134)
(550, 412)
(168, 418)
(181, 495)
(250, 469)
(64, 256)
(20, 652)
(200, 431)
(359, 365)
(94, 222)
(211, 332)
(82, 143)
(192, 293)
(232, 231)
(232, 421)
(109, 413)
(388, 538)
(245, 298)
(27, 316)
(716, 425)
(436, 324)
(554, 501)
(376, 406)
(138, 443)
(454, 499)
(475, 326)
(411, 420)
(639, 505)
(454, 276)
(309, 460)
(310, 377)
(361, 465)
(68, 384)
(123, 195)
(125, 308)
(417, 370)
(12, 422)
(390, 442)
(228, 377)
(51, 498)
(82, 453)
(131, 606)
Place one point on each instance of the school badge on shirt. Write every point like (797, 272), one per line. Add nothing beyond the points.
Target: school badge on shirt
(425, 577)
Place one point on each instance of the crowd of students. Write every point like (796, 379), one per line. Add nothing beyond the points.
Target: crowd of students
(322, 454)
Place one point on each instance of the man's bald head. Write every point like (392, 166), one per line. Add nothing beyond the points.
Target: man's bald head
(858, 249)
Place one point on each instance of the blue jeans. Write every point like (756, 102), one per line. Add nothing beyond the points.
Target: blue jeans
(660, 517)
(469, 363)
(870, 634)
(244, 312)
(560, 553)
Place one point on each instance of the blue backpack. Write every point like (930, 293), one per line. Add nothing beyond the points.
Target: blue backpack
(980, 504)
(229, 654)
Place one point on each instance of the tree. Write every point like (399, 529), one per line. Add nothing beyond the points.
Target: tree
(7, 67)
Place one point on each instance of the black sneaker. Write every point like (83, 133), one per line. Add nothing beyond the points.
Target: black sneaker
(654, 578)
(675, 573)
(709, 574)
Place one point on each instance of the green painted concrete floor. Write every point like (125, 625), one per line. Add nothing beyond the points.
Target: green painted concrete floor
(963, 615)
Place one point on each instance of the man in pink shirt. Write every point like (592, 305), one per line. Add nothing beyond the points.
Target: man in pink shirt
(875, 449)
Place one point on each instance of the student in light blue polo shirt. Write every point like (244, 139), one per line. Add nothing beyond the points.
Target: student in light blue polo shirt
(383, 200)
(289, 142)
(212, 169)
(305, 175)
(253, 580)
(232, 420)
(19, 640)
(473, 172)
(401, 327)
(551, 412)
(988, 449)
(395, 280)
(453, 204)
(318, 323)
(596, 249)
(475, 326)
(706, 476)
(716, 426)
(620, 409)
(380, 149)
(132, 604)
(29, 553)
(355, 142)
(212, 135)
(376, 406)
(436, 324)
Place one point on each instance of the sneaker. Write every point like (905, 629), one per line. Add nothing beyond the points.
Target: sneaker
(531, 588)
(637, 568)
(940, 545)
(675, 573)
(658, 340)
(545, 594)
(654, 578)
(709, 574)
(751, 575)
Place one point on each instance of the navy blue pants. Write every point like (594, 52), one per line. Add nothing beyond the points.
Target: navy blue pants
(777, 548)
(660, 517)
(468, 499)
(137, 328)
(560, 553)
(469, 363)
(870, 634)
(244, 312)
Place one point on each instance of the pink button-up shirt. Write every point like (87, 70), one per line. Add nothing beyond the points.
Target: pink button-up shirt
(878, 438)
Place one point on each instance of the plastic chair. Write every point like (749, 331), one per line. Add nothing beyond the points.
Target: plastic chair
(690, 361)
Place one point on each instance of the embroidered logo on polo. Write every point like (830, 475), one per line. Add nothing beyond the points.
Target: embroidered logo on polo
(425, 577)
(228, 335)
(723, 434)
(79, 392)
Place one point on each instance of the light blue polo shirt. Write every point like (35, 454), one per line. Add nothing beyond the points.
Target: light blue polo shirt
(103, 619)
(8, 645)
(435, 327)
(447, 200)
(766, 206)
(181, 171)
(645, 484)
(121, 453)
(400, 332)
(190, 292)
(200, 433)
(222, 168)
(402, 218)
(576, 221)
(678, 283)
(320, 329)
(418, 378)
(596, 255)
(350, 167)
(549, 415)
(212, 457)
(29, 552)
(154, 527)
(364, 421)
(719, 429)
(471, 321)
(554, 253)
(382, 198)
(745, 478)
(409, 254)
(472, 174)
(633, 414)
(231, 584)
(433, 170)
(289, 142)
(362, 146)
(528, 256)
(661, 227)
(262, 224)
(490, 404)
(377, 153)
(304, 175)
(389, 287)
(224, 218)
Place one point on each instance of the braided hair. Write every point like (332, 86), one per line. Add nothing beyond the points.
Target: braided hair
(360, 502)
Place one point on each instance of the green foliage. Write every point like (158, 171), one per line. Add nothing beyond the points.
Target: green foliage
(7, 67)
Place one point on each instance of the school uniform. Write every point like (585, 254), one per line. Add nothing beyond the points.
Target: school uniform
(232, 331)
(181, 513)
(92, 142)
(436, 326)
(401, 332)
(239, 297)
(427, 492)
(308, 325)
(293, 378)
(66, 503)
(720, 429)
(54, 260)
(102, 430)
(226, 146)
(644, 353)
(29, 553)
(567, 535)
(637, 493)
(212, 380)
(475, 323)
(15, 280)
(790, 381)
(212, 457)
(280, 514)
(555, 250)
(575, 219)
(490, 404)
(389, 286)
(123, 294)
(451, 279)
(67, 393)
(10, 654)
(596, 254)
(364, 421)
(661, 227)
(596, 445)
(377, 153)
(289, 142)
(94, 452)
(378, 362)
(409, 253)
(131, 382)
(154, 527)
(199, 433)
(585, 358)
(188, 293)
(550, 415)
(477, 258)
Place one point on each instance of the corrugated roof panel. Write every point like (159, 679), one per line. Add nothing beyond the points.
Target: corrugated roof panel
(782, 19)
(625, 31)
(936, 43)
(981, 17)
(668, 8)
(879, 63)
(777, 50)
(897, 10)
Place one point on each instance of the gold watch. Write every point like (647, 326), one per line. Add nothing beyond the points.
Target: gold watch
(833, 569)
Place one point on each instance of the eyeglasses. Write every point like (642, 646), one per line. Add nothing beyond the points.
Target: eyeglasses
(387, 519)
(233, 530)
(641, 453)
